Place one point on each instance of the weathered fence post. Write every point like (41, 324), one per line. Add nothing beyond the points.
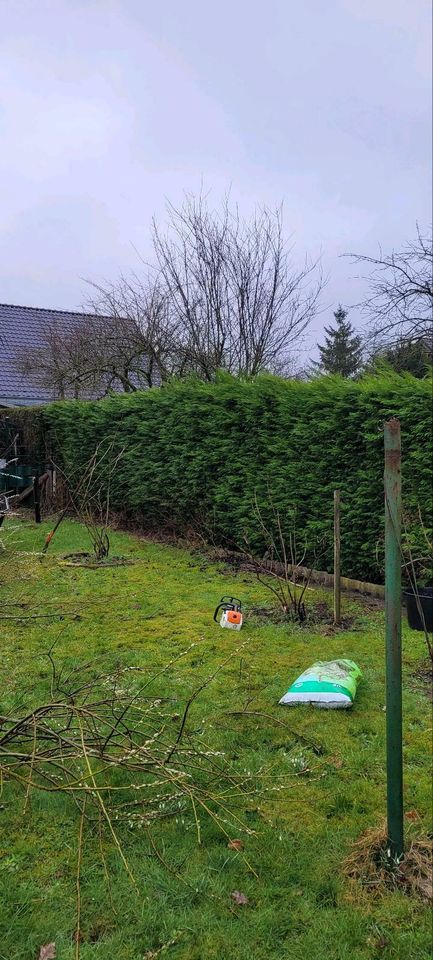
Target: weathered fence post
(394, 732)
(337, 572)
(37, 498)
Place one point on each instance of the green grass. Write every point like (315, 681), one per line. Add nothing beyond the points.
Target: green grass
(301, 904)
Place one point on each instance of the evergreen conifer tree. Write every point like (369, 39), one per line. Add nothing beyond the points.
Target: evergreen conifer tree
(342, 351)
(406, 356)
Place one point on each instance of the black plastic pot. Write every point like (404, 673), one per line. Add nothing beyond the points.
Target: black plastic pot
(425, 601)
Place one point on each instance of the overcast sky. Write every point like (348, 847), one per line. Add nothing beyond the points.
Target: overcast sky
(108, 107)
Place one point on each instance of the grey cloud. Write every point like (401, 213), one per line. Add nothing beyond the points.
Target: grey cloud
(109, 107)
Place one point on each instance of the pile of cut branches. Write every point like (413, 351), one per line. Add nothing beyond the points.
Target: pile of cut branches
(125, 756)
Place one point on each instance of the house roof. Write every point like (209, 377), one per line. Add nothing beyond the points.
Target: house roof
(22, 327)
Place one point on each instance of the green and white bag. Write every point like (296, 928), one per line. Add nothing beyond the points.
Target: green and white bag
(332, 685)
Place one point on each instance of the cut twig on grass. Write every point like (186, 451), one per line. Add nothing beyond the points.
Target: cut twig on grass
(126, 760)
(315, 747)
(41, 616)
(78, 882)
(105, 867)
(197, 693)
(152, 954)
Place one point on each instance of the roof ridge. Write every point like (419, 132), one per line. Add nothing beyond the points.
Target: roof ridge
(70, 313)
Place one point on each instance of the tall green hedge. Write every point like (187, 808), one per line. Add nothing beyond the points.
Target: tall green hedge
(202, 453)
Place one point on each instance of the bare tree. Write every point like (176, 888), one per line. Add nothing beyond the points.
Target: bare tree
(135, 332)
(122, 345)
(222, 294)
(400, 300)
(239, 302)
(58, 362)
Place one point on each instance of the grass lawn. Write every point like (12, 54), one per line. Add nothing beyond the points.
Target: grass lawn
(300, 904)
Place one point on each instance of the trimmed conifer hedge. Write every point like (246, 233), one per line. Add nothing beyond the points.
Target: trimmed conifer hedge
(203, 454)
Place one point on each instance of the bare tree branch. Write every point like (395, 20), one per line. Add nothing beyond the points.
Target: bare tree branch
(240, 303)
(223, 294)
(400, 300)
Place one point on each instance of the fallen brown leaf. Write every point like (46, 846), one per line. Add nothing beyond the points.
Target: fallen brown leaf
(379, 943)
(239, 898)
(235, 844)
(382, 942)
(412, 815)
(47, 952)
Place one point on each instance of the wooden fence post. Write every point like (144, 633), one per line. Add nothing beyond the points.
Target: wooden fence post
(337, 572)
(37, 498)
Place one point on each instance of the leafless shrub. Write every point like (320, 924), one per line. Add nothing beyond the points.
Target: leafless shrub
(88, 495)
(92, 502)
(278, 568)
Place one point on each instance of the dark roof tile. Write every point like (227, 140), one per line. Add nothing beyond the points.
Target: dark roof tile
(22, 327)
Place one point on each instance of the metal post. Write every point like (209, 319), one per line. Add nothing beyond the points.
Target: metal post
(337, 577)
(394, 746)
(37, 498)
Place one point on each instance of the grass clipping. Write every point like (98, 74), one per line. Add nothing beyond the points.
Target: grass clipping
(368, 863)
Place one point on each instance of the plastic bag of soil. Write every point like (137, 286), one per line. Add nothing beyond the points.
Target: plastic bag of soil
(329, 684)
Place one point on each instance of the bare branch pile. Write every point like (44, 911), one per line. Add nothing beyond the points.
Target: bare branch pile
(107, 743)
